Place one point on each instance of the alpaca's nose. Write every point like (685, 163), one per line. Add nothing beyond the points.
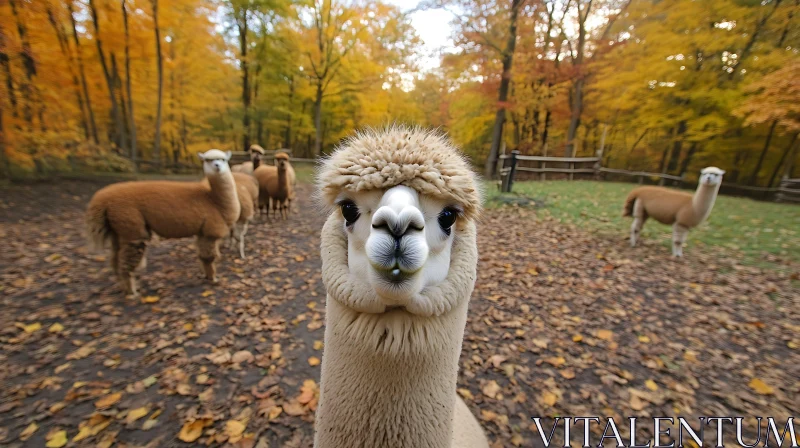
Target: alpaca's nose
(398, 224)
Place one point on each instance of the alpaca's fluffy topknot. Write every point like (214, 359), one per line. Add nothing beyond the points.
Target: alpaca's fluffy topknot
(423, 160)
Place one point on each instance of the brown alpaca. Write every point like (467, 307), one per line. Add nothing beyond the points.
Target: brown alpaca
(128, 213)
(274, 185)
(677, 208)
(255, 161)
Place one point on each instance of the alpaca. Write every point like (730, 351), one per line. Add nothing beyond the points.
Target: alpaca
(681, 210)
(255, 161)
(275, 185)
(247, 192)
(128, 213)
(399, 255)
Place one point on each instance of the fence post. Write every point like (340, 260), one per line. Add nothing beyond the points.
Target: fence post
(512, 171)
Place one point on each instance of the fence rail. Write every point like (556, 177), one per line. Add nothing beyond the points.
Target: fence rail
(510, 164)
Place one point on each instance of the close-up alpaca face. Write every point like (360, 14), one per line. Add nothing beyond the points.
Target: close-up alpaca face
(711, 176)
(398, 241)
(215, 161)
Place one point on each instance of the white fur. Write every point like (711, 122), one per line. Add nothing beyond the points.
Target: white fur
(425, 246)
(215, 161)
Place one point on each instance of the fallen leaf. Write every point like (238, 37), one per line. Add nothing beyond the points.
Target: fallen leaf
(577, 338)
(184, 389)
(150, 299)
(234, 430)
(761, 387)
(466, 394)
(644, 339)
(220, 357)
(191, 431)
(188, 326)
(56, 328)
(318, 345)
(62, 368)
(207, 293)
(307, 392)
(496, 360)
(274, 412)
(56, 439)
(149, 381)
(490, 389)
(242, 356)
(294, 409)
(556, 361)
(605, 335)
(201, 379)
(28, 431)
(650, 384)
(313, 361)
(549, 398)
(136, 414)
(108, 401)
(57, 406)
(517, 440)
(567, 373)
(636, 403)
(32, 327)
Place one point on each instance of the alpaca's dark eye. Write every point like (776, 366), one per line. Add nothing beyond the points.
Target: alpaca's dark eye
(350, 212)
(447, 218)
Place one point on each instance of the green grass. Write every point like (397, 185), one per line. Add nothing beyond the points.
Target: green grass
(750, 228)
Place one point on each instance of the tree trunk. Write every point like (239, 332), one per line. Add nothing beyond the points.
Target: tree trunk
(287, 139)
(785, 154)
(502, 97)
(117, 79)
(159, 60)
(82, 73)
(5, 61)
(63, 43)
(677, 147)
(29, 64)
(576, 106)
(242, 25)
(754, 176)
(115, 112)
(318, 120)
(131, 121)
(688, 159)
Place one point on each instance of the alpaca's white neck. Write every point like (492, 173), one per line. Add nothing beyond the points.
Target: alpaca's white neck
(388, 381)
(223, 192)
(703, 201)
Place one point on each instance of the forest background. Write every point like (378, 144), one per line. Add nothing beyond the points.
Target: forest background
(663, 86)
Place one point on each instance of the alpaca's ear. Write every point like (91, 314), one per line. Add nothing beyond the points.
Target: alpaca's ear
(723, 172)
(201, 155)
(228, 155)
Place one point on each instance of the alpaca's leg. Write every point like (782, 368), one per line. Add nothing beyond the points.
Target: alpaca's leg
(679, 234)
(242, 233)
(237, 232)
(208, 250)
(639, 218)
(131, 261)
(115, 255)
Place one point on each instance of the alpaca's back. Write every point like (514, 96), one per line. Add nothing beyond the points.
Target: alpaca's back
(661, 204)
(245, 168)
(168, 209)
(248, 182)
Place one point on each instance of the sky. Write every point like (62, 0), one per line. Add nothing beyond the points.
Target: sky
(433, 27)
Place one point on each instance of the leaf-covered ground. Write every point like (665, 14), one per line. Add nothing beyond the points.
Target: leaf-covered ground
(562, 322)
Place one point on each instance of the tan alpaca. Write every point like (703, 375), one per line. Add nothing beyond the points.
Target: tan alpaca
(399, 256)
(247, 192)
(128, 213)
(677, 208)
(255, 161)
(247, 188)
(275, 186)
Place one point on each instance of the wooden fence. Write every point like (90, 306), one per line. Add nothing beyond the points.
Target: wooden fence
(510, 165)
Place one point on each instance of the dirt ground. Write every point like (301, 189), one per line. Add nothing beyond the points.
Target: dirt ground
(561, 323)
